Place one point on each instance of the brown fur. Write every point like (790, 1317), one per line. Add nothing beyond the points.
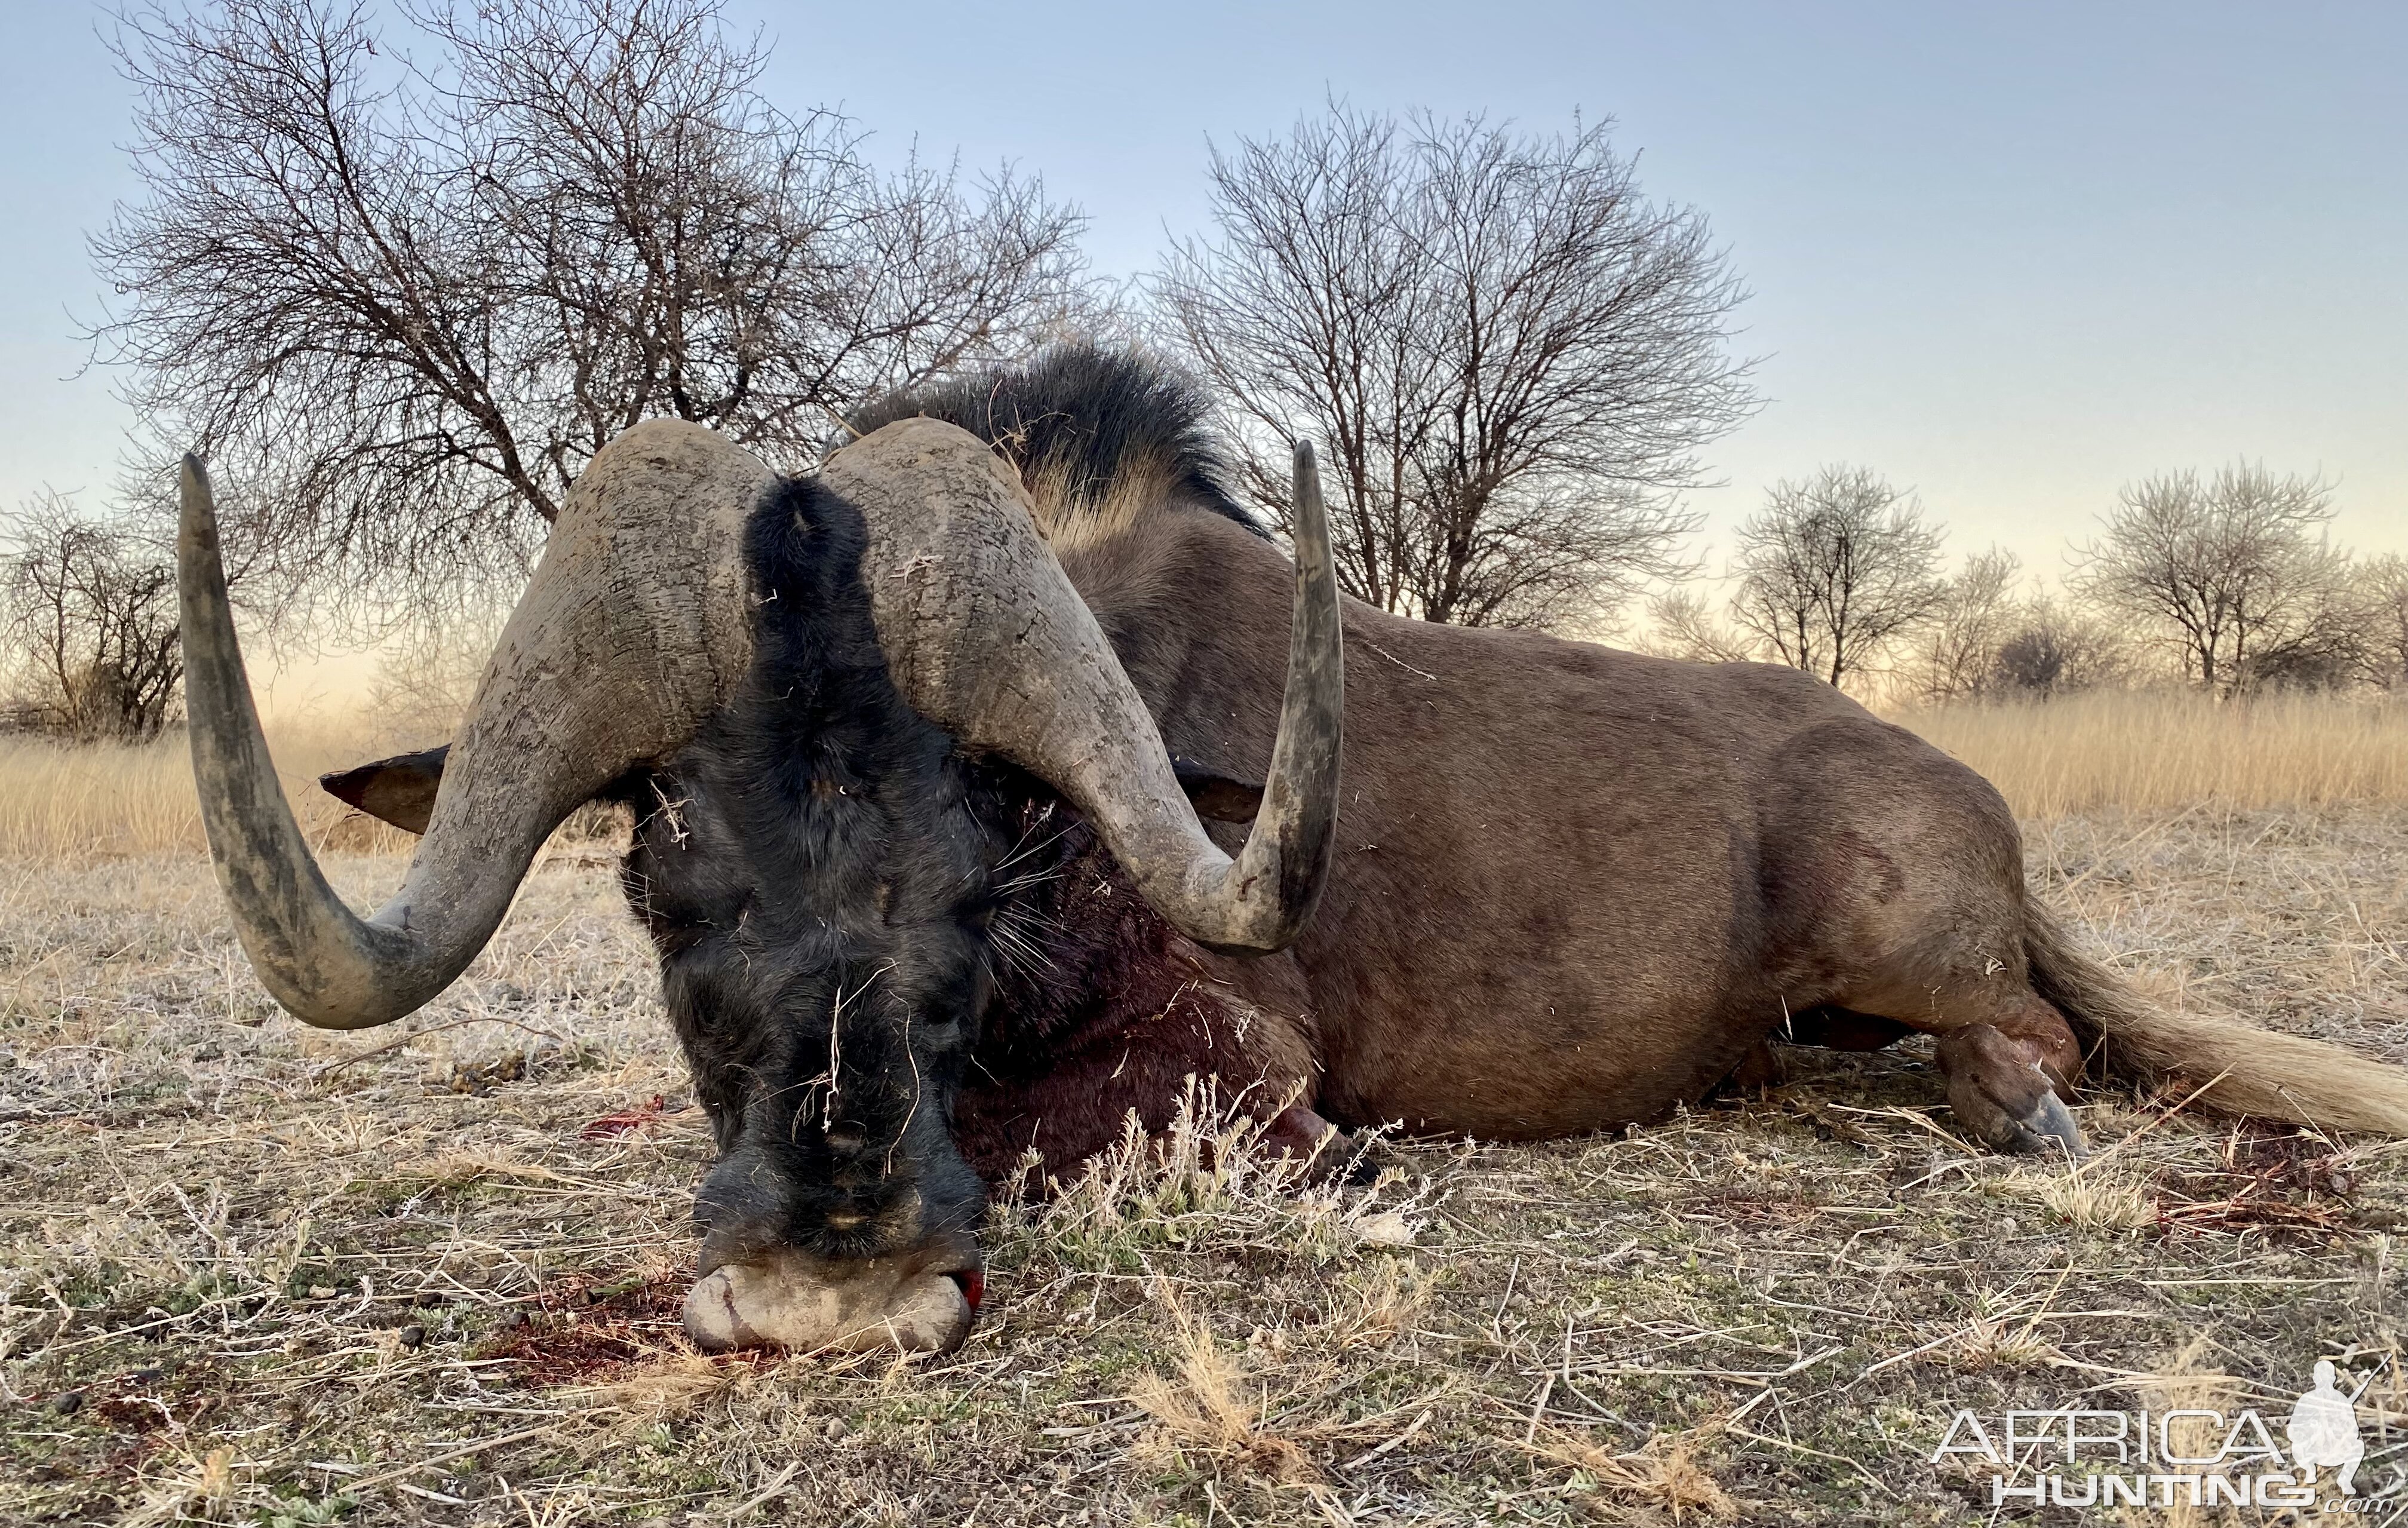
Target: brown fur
(1575, 886)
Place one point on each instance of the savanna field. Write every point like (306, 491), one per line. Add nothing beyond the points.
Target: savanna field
(255, 1273)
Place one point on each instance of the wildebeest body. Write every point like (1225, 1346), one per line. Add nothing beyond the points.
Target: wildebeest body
(1573, 887)
(1504, 948)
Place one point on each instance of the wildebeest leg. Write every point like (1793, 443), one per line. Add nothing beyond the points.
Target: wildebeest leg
(2009, 1058)
(1842, 1028)
(2012, 1062)
(1896, 888)
(1830, 1028)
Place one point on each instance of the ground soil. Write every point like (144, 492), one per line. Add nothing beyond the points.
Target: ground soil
(250, 1273)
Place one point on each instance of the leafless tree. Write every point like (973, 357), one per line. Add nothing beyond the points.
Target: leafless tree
(2383, 599)
(91, 625)
(1834, 569)
(1511, 356)
(414, 297)
(1682, 624)
(2234, 573)
(1956, 653)
(2053, 648)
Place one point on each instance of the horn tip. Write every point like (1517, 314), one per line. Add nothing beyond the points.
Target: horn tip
(192, 479)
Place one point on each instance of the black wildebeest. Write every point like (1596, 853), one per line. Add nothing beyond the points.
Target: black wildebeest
(818, 864)
(1572, 888)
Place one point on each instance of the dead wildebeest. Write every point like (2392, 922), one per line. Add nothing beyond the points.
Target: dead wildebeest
(819, 862)
(1572, 888)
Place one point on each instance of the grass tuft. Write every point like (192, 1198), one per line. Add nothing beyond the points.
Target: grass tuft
(1668, 1473)
(1209, 1408)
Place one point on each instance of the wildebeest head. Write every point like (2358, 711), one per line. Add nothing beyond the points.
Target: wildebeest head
(823, 960)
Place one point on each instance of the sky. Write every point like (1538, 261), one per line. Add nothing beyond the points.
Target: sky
(2011, 255)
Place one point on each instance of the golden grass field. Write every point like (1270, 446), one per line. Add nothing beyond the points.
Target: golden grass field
(2161, 751)
(2136, 750)
(254, 1272)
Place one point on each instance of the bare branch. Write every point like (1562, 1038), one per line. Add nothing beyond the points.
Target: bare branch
(1955, 653)
(1509, 356)
(413, 301)
(89, 620)
(1681, 625)
(2233, 573)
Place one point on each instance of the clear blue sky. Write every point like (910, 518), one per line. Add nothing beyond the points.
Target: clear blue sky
(2014, 256)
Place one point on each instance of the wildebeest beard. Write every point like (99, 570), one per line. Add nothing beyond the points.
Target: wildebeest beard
(814, 870)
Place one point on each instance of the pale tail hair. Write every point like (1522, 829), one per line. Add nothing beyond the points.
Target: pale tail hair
(2239, 1068)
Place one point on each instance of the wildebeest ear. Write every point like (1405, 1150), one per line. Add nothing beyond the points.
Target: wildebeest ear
(399, 790)
(1215, 794)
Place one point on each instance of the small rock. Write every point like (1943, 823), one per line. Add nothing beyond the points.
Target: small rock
(835, 1429)
(321, 1292)
(68, 1403)
(412, 1336)
(2339, 1182)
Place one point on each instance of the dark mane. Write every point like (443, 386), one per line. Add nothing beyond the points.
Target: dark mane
(1083, 425)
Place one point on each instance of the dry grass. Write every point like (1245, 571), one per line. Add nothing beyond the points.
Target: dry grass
(2187, 1380)
(252, 1272)
(1210, 1410)
(2135, 751)
(1668, 1475)
(68, 802)
(290, 1276)
(2160, 751)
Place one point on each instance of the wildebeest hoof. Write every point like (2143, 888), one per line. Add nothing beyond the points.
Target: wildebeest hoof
(2005, 1099)
(2046, 1129)
(2039, 1124)
(803, 1304)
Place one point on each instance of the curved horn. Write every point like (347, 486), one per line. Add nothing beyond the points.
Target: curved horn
(987, 638)
(635, 627)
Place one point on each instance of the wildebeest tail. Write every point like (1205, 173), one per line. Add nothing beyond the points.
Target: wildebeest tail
(2243, 1069)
